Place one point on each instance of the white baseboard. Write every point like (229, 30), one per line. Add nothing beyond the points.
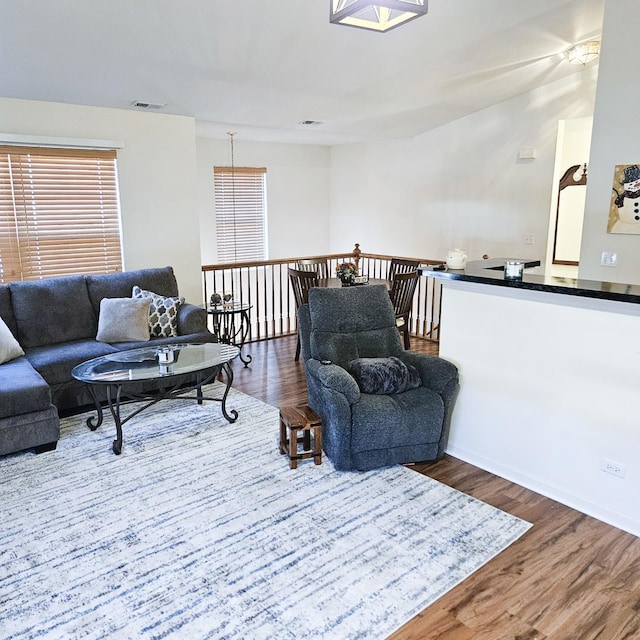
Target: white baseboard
(550, 491)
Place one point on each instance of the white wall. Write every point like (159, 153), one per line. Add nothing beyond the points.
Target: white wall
(616, 133)
(297, 193)
(538, 408)
(156, 173)
(461, 185)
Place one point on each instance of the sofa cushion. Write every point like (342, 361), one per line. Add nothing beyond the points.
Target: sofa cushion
(9, 347)
(123, 320)
(163, 312)
(27, 430)
(22, 389)
(384, 375)
(383, 422)
(352, 322)
(55, 362)
(119, 285)
(52, 310)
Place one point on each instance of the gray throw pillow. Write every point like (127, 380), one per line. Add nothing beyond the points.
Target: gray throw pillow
(9, 347)
(384, 376)
(163, 312)
(123, 320)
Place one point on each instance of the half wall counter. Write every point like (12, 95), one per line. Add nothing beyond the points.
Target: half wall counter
(550, 384)
(491, 272)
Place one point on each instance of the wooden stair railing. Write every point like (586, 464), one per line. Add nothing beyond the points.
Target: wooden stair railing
(265, 286)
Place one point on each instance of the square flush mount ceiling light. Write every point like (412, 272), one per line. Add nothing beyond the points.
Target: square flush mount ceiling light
(377, 15)
(584, 53)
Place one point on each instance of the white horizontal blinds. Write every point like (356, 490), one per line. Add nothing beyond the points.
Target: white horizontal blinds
(240, 203)
(9, 255)
(58, 212)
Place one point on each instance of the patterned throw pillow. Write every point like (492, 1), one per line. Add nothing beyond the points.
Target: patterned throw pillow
(163, 312)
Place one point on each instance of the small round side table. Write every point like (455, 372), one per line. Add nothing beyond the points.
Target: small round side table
(231, 325)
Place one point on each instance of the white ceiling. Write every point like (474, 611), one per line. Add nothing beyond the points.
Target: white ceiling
(260, 67)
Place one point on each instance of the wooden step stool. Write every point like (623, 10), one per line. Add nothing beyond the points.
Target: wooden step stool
(294, 420)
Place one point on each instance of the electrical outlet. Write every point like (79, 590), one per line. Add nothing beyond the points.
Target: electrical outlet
(608, 259)
(529, 238)
(614, 468)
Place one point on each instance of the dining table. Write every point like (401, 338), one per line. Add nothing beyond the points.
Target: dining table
(334, 283)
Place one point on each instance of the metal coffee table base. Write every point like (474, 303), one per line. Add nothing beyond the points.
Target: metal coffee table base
(117, 396)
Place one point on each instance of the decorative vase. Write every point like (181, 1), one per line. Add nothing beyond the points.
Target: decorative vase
(456, 259)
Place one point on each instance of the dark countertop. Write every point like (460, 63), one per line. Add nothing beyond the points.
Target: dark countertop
(491, 272)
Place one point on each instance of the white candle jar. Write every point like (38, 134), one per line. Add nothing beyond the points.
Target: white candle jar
(165, 355)
(513, 270)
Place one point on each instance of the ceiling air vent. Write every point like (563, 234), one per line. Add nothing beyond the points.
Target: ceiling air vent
(143, 104)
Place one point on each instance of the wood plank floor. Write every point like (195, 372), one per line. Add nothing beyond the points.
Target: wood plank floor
(570, 577)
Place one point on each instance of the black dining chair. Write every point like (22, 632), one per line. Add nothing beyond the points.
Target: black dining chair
(399, 265)
(301, 281)
(319, 265)
(403, 287)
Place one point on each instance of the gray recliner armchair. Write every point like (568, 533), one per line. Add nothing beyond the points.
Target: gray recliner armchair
(352, 330)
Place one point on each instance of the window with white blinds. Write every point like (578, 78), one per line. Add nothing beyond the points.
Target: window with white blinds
(59, 213)
(241, 213)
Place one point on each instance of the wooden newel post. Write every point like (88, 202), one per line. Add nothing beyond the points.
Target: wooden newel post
(356, 257)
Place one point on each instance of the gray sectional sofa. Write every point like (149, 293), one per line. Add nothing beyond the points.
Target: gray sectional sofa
(56, 321)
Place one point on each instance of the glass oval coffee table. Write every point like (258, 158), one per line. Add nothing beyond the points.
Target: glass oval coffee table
(152, 374)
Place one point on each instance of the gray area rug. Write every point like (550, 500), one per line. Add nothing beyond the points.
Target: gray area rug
(200, 530)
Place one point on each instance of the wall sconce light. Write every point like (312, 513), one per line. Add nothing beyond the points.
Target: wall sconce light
(376, 15)
(584, 52)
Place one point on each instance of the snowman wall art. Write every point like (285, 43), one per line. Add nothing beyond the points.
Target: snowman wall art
(624, 211)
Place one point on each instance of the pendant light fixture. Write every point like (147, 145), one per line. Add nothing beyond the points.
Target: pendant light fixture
(376, 15)
(233, 195)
